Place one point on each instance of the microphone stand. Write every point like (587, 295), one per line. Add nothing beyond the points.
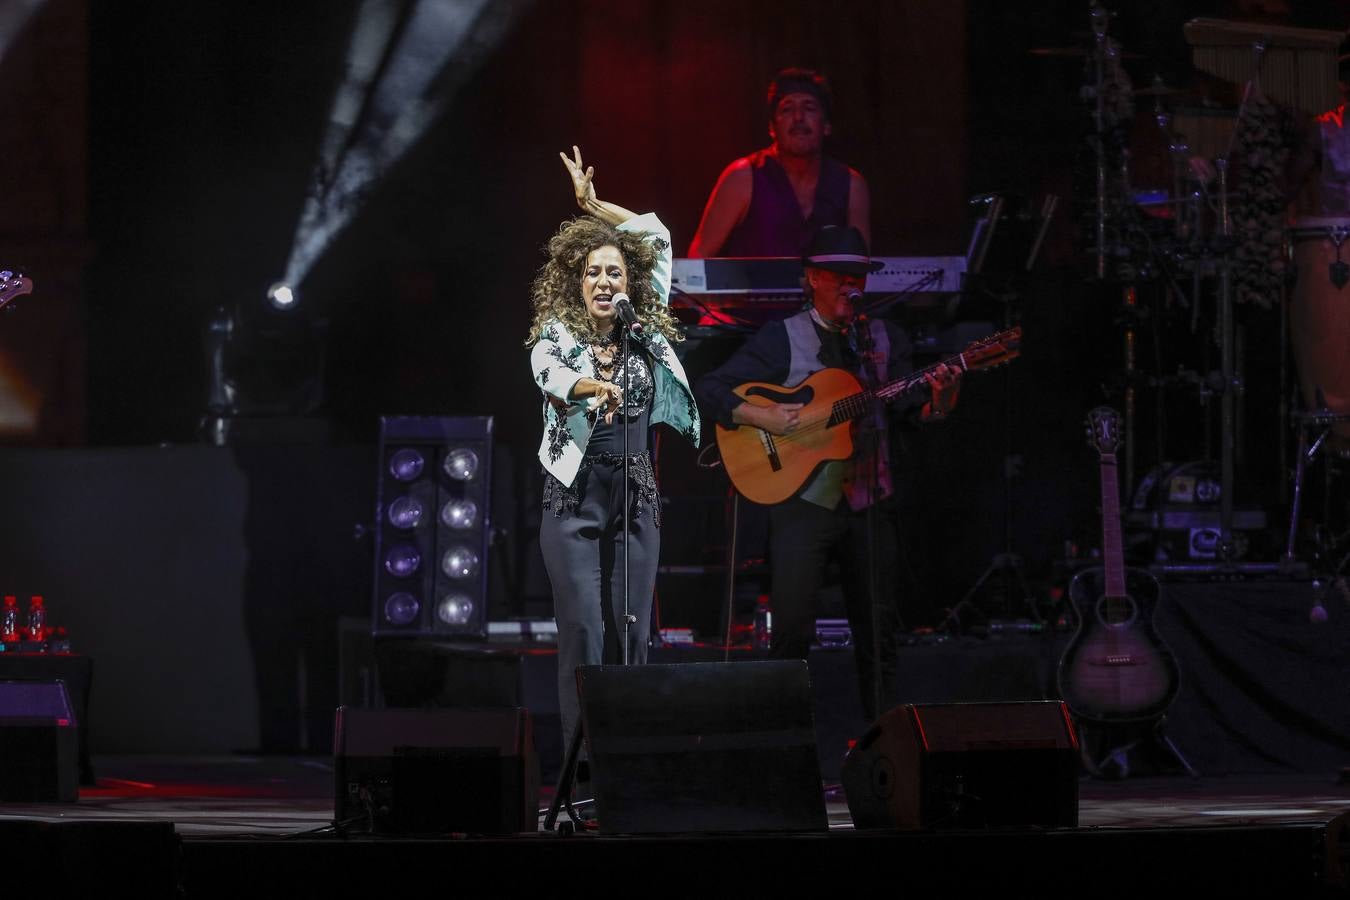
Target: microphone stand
(628, 618)
(567, 777)
(863, 347)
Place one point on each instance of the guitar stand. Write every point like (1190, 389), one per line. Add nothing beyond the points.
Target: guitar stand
(1118, 758)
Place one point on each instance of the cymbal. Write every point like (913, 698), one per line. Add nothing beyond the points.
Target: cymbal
(1081, 52)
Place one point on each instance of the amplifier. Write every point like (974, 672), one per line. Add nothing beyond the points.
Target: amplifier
(39, 743)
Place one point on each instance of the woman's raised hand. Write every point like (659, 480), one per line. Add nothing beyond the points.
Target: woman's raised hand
(581, 177)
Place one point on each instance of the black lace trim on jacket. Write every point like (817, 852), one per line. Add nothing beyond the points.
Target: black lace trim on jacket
(562, 498)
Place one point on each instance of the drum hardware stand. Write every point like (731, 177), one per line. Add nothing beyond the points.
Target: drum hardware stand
(1320, 418)
(1338, 272)
(1227, 402)
(1283, 408)
(1232, 385)
(1099, 18)
(1131, 308)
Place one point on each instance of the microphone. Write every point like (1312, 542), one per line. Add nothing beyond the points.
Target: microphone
(854, 296)
(627, 314)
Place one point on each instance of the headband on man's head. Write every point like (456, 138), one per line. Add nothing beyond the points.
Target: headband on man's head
(800, 81)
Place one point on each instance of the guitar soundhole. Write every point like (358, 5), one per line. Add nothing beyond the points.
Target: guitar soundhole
(1116, 612)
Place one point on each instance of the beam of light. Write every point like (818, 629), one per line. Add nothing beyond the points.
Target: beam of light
(405, 63)
(14, 15)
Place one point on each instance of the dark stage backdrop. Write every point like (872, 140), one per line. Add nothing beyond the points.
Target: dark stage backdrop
(166, 151)
(205, 124)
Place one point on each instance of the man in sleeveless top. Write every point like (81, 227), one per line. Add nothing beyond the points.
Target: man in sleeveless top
(771, 202)
(843, 508)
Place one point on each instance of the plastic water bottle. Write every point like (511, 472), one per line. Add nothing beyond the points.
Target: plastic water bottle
(763, 633)
(37, 618)
(9, 620)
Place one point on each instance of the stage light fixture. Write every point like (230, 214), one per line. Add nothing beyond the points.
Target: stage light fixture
(461, 464)
(455, 609)
(405, 513)
(460, 562)
(406, 465)
(461, 515)
(282, 296)
(401, 608)
(402, 561)
(433, 496)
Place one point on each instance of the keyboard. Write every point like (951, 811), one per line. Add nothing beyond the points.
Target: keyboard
(776, 277)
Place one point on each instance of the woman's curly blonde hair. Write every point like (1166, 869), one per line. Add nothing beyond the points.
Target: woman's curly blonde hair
(556, 293)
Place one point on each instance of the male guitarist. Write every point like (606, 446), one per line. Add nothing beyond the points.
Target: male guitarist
(832, 511)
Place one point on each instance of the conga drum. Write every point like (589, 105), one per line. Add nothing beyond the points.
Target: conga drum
(1319, 317)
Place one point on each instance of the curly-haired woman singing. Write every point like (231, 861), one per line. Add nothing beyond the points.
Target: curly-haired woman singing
(592, 394)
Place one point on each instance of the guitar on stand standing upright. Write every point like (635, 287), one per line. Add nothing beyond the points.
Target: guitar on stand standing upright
(1116, 670)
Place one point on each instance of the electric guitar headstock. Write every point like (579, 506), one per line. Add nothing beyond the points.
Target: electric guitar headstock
(994, 350)
(1103, 430)
(12, 285)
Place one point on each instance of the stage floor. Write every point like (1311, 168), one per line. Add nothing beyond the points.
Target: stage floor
(266, 796)
(261, 826)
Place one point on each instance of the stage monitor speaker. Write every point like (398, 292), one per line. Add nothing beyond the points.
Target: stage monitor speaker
(39, 743)
(965, 765)
(435, 771)
(701, 747)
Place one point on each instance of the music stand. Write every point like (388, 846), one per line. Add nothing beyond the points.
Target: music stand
(1005, 562)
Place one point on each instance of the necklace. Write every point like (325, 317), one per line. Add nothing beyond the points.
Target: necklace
(605, 353)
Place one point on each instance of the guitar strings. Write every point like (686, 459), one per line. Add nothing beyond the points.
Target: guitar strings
(896, 388)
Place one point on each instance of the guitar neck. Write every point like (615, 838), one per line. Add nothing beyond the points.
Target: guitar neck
(855, 405)
(1113, 554)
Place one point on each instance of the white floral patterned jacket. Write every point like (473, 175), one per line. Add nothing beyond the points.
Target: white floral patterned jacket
(559, 361)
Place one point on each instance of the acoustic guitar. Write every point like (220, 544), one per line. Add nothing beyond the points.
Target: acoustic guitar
(769, 468)
(1116, 667)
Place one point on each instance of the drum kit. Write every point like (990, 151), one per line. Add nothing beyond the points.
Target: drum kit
(1188, 234)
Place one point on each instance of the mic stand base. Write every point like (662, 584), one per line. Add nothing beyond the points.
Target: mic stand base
(562, 795)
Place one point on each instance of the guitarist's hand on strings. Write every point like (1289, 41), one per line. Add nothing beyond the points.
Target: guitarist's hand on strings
(945, 382)
(775, 418)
